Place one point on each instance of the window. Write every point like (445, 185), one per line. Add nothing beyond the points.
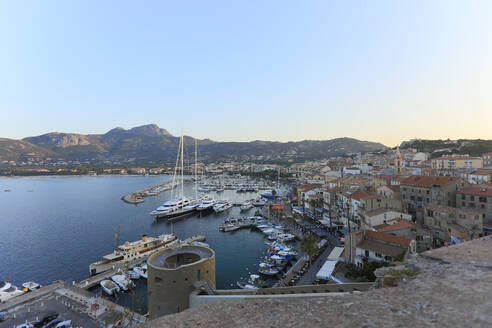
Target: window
(472, 197)
(463, 197)
(482, 199)
(427, 192)
(379, 255)
(366, 253)
(476, 217)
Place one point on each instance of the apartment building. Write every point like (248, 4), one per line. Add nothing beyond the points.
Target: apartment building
(450, 224)
(487, 159)
(477, 198)
(453, 162)
(417, 192)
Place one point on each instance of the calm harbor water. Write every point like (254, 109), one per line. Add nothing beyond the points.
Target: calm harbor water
(53, 227)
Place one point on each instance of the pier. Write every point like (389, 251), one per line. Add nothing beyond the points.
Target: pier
(138, 196)
(95, 280)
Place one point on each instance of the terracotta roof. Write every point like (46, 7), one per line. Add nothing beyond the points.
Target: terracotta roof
(382, 248)
(387, 238)
(358, 195)
(380, 226)
(482, 172)
(485, 191)
(427, 181)
(400, 225)
(311, 186)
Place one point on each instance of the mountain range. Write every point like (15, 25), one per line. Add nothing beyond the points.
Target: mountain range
(149, 144)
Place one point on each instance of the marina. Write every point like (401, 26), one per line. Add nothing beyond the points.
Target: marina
(89, 219)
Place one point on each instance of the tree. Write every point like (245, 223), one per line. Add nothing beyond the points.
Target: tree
(309, 246)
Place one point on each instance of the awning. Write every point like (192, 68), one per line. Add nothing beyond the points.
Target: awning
(326, 270)
(335, 253)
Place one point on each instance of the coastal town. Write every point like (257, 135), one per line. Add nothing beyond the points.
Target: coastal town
(258, 164)
(330, 224)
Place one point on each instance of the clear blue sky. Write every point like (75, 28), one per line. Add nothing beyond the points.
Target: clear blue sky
(243, 70)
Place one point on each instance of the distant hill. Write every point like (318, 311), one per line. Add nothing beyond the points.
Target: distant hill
(150, 144)
(473, 147)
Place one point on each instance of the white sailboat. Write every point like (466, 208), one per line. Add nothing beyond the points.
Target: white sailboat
(181, 206)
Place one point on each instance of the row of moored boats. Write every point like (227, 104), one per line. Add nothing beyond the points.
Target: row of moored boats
(123, 281)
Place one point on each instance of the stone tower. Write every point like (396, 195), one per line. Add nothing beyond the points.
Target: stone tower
(398, 160)
(173, 274)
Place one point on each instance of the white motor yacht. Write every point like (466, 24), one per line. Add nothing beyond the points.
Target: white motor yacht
(122, 281)
(141, 272)
(109, 287)
(222, 206)
(247, 205)
(207, 205)
(8, 291)
(30, 286)
(133, 275)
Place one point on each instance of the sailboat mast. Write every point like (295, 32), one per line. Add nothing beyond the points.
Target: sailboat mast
(182, 168)
(196, 170)
(175, 170)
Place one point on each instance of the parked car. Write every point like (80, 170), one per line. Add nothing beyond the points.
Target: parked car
(3, 316)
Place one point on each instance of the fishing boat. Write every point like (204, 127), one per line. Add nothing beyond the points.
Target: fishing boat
(109, 287)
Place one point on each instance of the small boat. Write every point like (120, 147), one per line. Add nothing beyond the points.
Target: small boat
(247, 205)
(141, 272)
(30, 286)
(199, 243)
(133, 275)
(252, 283)
(268, 271)
(259, 202)
(109, 287)
(230, 227)
(8, 291)
(222, 206)
(122, 281)
(7, 190)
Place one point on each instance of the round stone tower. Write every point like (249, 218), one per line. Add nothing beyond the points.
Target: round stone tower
(172, 274)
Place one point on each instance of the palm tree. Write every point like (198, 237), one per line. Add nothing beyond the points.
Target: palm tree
(309, 246)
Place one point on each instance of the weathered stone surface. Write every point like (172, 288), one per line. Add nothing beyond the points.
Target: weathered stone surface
(452, 289)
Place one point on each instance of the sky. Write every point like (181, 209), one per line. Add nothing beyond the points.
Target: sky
(383, 71)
